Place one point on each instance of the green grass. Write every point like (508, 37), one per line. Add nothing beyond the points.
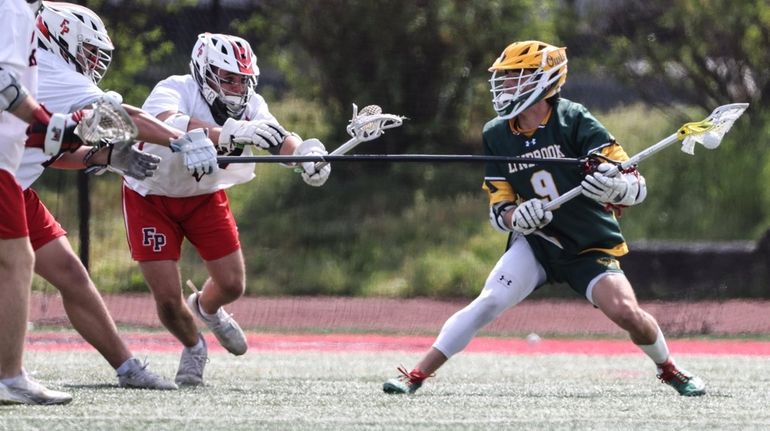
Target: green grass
(342, 391)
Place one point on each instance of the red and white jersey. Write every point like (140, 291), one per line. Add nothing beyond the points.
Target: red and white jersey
(181, 94)
(60, 89)
(17, 55)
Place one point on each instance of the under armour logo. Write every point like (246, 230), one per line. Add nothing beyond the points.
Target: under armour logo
(530, 142)
(504, 280)
(150, 238)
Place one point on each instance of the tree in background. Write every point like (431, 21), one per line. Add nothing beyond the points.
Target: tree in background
(703, 52)
(423, 59)
(676, 54)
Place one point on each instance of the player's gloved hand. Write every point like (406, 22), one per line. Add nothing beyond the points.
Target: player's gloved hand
(238, 133)
(130, 161)
(54, 133)
(313, 177)
(123, 159)
(200, 157)
(530, 216)
(619, 189)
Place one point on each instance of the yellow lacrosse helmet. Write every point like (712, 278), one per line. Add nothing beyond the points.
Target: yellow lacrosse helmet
(524, 74)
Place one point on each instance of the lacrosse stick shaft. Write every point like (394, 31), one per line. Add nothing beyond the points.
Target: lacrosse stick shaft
(417, 158)
(342, 149)
(647, 152)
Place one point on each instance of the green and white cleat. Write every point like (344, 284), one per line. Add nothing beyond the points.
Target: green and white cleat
(406, 383)
(683, 381)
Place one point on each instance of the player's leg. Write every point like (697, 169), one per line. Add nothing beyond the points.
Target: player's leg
(16, 266)
(16, 260)
(155, 240)
(615, 297)
(57, 263)
(165, 283)
(215, 236)
(513, 278)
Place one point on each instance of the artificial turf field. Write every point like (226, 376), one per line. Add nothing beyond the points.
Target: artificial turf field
(334, 382)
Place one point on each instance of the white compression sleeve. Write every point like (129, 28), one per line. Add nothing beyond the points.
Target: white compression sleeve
(513, 278)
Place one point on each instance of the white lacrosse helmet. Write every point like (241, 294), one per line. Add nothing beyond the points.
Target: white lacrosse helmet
(77, 35)
(524, 74)
(34, 5)
(216, 54)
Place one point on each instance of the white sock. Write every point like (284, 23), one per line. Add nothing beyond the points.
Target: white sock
(657, 351)
(127, 366)
(207, 316)
(10, 381)
(199, 345)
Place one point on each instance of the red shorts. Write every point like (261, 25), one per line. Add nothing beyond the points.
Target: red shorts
(157, 225)
(13, 222)
(43, 227)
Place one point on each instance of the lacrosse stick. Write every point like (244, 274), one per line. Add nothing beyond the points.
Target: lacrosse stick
(107, 122)
(365, 125)
(708, 132)
(417, 158)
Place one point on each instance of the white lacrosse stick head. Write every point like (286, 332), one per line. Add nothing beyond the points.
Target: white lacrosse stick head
(106, 122)
(370, 123)
(712, 130)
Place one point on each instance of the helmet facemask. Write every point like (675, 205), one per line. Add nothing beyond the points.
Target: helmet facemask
(232, 90)
(92, 61)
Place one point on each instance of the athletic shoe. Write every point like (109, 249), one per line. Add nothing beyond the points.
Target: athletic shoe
(191, 364)
(406, 383)
(683, 381)
(28, 391)
(224, 327)
(139, 377)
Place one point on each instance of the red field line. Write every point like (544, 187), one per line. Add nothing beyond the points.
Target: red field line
(156, 342)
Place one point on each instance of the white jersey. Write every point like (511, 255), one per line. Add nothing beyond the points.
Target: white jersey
(60, 89)
(17, 55)
(181, 94)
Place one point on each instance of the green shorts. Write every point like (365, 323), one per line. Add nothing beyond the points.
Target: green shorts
(577, 270)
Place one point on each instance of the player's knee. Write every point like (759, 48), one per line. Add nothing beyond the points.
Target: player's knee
(169, 307)
(625, 314)
(490, 304)
(232, 287)
(73, 276)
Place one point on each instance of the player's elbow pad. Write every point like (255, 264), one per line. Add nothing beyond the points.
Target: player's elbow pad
(12, 92)
(496, 219)
(178, 121)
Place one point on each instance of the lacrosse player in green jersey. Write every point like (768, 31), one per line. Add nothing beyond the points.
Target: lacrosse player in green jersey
(579, 242)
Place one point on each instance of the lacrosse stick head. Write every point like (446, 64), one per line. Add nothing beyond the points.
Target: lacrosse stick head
(712, 130)
(370, 123)
(107, 122)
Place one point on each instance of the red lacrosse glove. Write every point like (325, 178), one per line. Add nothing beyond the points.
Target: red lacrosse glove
(54, 133)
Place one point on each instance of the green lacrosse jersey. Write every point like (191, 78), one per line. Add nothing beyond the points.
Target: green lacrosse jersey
(579, 225)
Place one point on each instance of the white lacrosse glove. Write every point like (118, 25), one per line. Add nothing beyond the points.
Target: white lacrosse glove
(200, 157)
(623, 189)
(530, 216)
(238, 133)
(313, 177)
